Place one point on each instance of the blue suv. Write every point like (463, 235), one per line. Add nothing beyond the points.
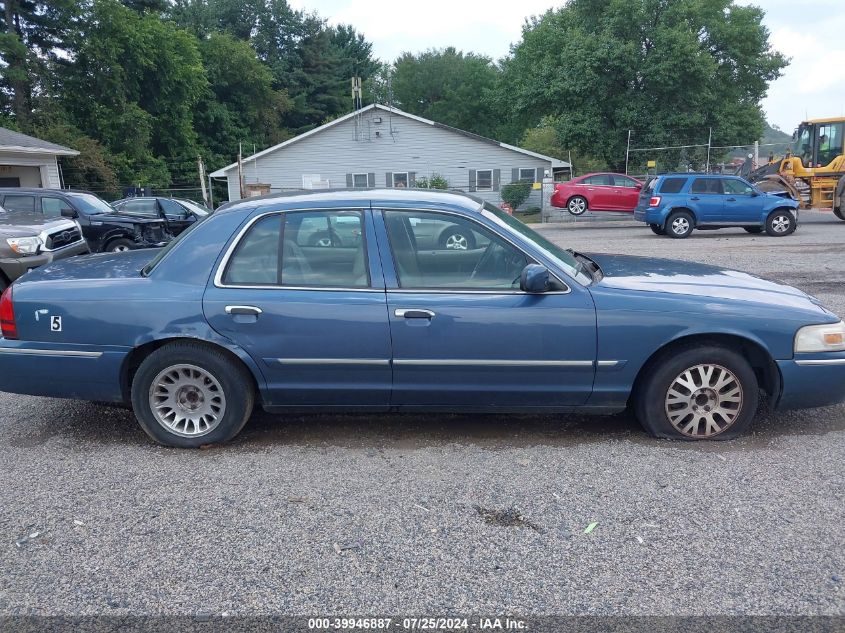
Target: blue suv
(675, 204)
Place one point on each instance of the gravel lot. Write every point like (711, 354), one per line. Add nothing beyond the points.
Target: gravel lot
(439, 514)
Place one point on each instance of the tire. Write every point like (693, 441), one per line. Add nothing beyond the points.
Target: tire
(120, 245)
(456, 239)
(679, 224)
(577, 205)
(223, 395)
(663, 405)
(753, 229)
(657, 229)
(780, 223)
(839, 211)
(839, 199)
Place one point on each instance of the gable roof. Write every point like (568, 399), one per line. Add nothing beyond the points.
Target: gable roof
(391, 110)
(11, 141)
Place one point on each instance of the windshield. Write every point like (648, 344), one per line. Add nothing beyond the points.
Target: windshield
(170, 245)
(89, 204)
(555, 253)
(194, 207)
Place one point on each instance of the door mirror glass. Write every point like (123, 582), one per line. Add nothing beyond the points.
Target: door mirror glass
(534, 279)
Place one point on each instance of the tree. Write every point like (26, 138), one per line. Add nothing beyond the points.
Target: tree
(132, 84)
(667, 69)
(543, 139)
(449, 87)
(30, 33)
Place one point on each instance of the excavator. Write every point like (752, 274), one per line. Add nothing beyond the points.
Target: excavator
(813, 170)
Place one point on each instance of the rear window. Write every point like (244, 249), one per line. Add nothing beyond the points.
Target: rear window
(672, 185)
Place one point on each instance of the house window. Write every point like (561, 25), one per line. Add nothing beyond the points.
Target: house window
(400, 179)
(484, 180)
(528, 173)
(359, 181)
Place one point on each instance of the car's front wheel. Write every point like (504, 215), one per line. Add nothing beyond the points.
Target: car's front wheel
(120, 245)
(577, 205)
(700, 393)
(780, 223)
(188, 394)
(679, 225)
(657, 229)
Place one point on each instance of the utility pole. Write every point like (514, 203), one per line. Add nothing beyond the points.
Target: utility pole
(756, 158)
(210, 194)
(241, 170)
(709, 143)
(627, 152)
(201, 169)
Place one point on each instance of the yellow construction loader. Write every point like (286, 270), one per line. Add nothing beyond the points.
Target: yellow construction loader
(813, 170)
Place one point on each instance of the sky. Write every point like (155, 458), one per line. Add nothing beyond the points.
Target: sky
(810, 32)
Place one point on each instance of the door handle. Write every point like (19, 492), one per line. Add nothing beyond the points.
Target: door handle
(245, 310)
(695, 198)
(413, 313)
(731, 199)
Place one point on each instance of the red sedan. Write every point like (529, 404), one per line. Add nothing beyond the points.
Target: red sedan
(597, 192)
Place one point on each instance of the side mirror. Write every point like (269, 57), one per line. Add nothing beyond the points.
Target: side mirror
(534, 279)
(69, 213)
(638, 187)
(754, 193)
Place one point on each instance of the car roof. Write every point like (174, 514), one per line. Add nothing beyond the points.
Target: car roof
(404, 197)
(687, 174)
(42, 190)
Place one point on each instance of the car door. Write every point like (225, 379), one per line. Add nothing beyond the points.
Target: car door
(178, 218)
(599, 192)
(742, 203)
(465, 335)
(626, 193)
(314, 318)
(707, 200)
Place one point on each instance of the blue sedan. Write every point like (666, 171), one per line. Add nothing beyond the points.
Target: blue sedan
(243, 310)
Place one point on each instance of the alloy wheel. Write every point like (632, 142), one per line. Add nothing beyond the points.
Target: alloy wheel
(781, 223)
(577, 206)
(680, 226)
(187, 400)
(704, 400)
(457, 242)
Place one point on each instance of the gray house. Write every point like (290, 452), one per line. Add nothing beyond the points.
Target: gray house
(26, 161)
(380, 146)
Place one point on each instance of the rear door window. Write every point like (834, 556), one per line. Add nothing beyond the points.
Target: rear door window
(672, 185)
(19, 204)
(706, 186)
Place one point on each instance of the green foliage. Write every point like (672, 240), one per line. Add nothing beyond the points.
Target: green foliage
(668, 70)
(449, 87)
(516, 193)
(435, 182)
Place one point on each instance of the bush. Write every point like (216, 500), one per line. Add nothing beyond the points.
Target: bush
(435, 182)
(516, 193)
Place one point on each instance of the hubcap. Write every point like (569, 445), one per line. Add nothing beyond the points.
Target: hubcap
(120, 249)
(577, 206)
(680, 226)
(324, 241)
(781, 224)
(704, 400)
(187, 400)
(457, 242)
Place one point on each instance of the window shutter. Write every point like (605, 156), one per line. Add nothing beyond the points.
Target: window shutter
(514, 174)
(412, 179)
(472, 180)
(371, 179)
(349, 180)
(388, 179)
(497, 179)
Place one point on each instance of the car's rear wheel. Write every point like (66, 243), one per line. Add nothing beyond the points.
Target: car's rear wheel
(325, 239)
(188, 395)
(700, 393)
(120, 245)
(657, 229)
(577, 205)
(679, 224)
(753, 229)
(780, 223)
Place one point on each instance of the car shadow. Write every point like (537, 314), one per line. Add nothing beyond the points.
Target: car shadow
(89, 424)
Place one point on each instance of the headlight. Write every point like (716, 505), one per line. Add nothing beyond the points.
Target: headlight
(821, 338)
(24, 245)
